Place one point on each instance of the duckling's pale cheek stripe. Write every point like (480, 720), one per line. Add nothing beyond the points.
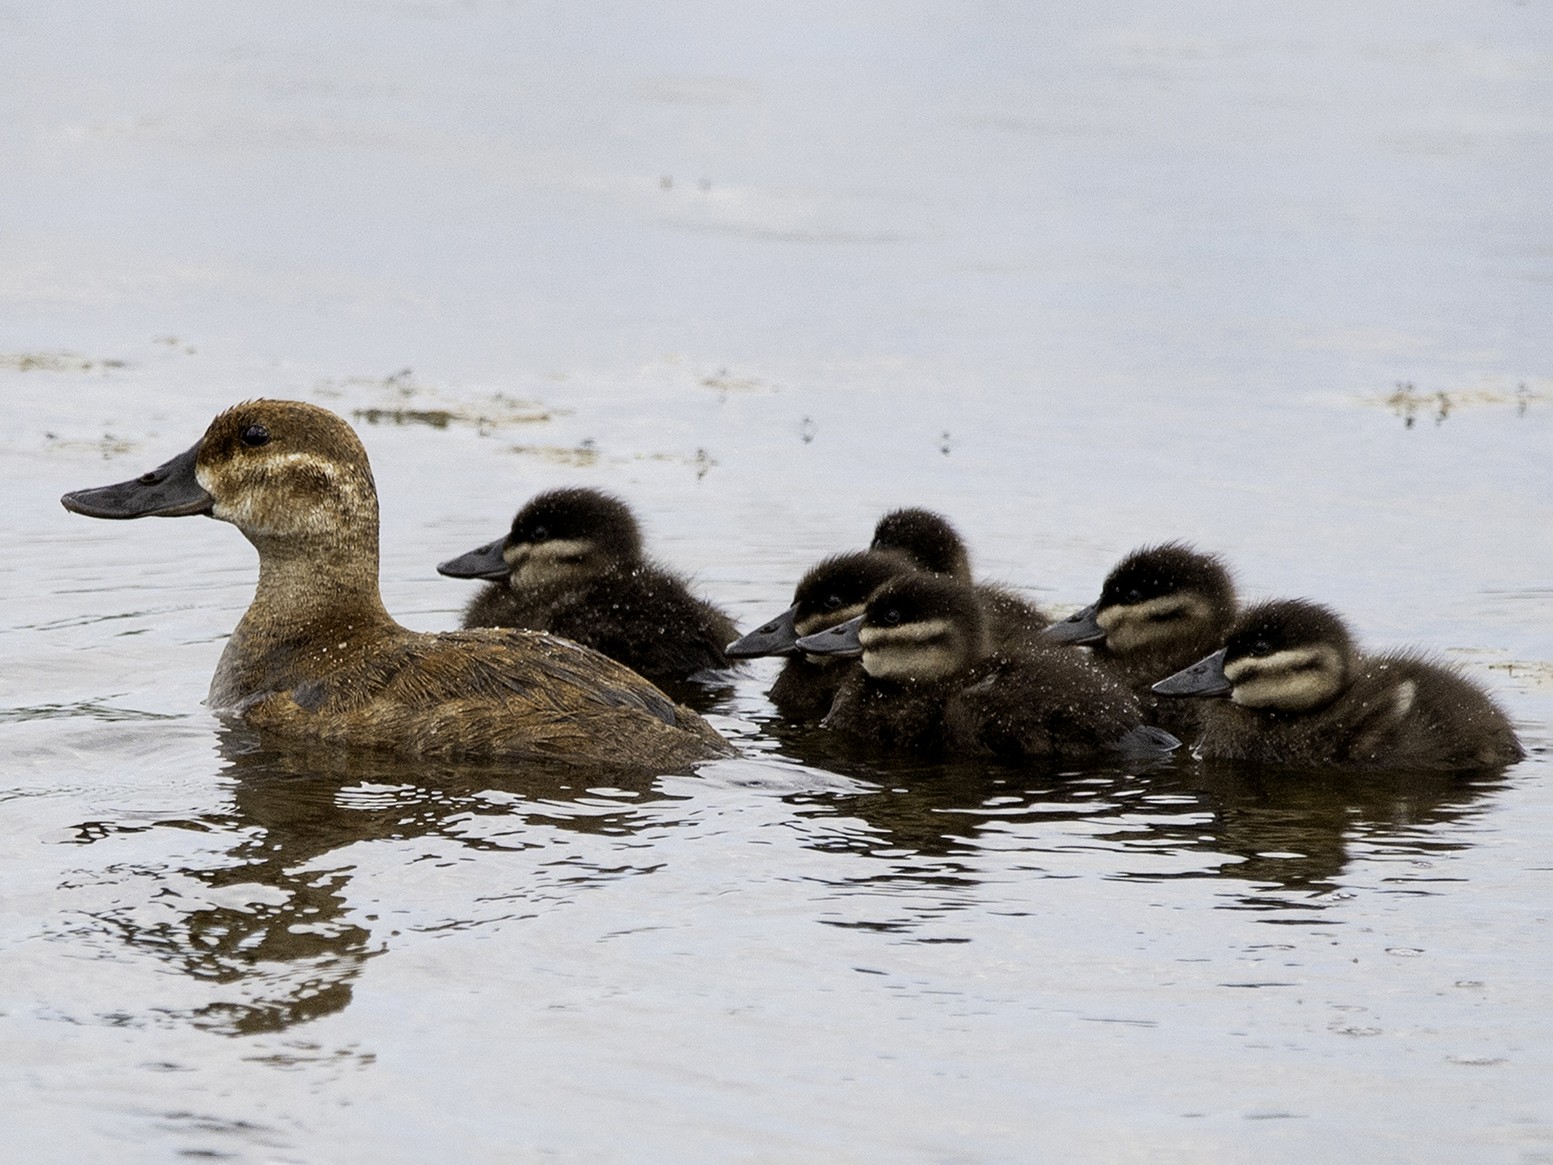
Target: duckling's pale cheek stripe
(1289, 681)
(826, 620)
(1128, 628)
(536, 563)
(920, 651)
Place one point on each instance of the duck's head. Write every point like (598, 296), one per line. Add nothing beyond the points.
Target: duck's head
(1156, 596)
(926, 538)
(283, 472)
(915, 628)
(1287, 655)
(833, 591)
(560, 536)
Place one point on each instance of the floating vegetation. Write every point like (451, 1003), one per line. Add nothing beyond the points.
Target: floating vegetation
(430, 408)
(108, 445)
(583, 455)
(55, 362)
(1533, 673)
(1407, 402)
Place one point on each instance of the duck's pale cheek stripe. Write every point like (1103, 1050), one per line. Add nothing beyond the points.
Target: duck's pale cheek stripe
(911, 661)
(825, 620)
(1407, 692)
(926, 631)
(1128, 628)
(1287, 680)
(261, 506)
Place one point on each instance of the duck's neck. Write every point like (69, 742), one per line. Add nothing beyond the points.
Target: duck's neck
(316, 605)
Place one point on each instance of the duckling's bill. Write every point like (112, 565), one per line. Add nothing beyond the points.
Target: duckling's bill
(1081, 628)
(843, 639)
(484, 562)
(1204, 678)
(171, 490)
(778, 637)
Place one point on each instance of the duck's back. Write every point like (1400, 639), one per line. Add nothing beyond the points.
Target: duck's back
(513, 695)
(1040, 702)
(644, 617)
(1011, 619)
(1402, 710)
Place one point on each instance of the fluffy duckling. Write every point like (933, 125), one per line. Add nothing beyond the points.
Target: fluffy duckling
(932, 681)
(832, 591)
(573, 565)
(1160, 608)
(318, 658)
(1301, 693)
(931, 542)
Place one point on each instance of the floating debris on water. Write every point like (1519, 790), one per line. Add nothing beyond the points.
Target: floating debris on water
(1409, 403)
(55, 362)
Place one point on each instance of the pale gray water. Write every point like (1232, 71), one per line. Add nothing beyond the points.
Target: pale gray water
(1082, 278)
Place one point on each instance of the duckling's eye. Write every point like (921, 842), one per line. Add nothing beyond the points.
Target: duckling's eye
(832, 602)
(539, 533)
(255, 435)
(1134, 596)
(1260, 647)
(892, 617)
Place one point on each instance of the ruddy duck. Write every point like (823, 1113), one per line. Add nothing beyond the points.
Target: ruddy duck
(572, 564)
(1299, 692)
(934, 545)
(1160, 608)
(317, 657)
(931, 681)
(832, 591)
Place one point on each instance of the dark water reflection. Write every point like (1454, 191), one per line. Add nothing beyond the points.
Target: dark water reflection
(274, 926)
(290, 943)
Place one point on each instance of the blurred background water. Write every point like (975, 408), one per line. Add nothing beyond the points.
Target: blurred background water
(1276, 280)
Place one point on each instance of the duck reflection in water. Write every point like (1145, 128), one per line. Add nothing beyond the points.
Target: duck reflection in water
(280, 925)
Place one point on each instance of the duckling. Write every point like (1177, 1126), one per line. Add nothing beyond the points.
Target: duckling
(832, 591)
(316, 657)
(932, 681)
(1301, 693)
(934, 545)
(1160, 608)
(572, 565)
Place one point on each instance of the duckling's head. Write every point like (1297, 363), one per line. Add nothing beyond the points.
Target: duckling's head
(916, 628)
(283, 472)
(1286, 655)
(559, 537)
(926, 538)
(1171, 593)
(831, 592)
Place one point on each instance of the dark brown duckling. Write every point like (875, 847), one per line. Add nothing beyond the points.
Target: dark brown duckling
(573, 565)
(1160, 608)
(318, 658)
(932, 681)
(832, 591)
(934, 545)
(1299, 692)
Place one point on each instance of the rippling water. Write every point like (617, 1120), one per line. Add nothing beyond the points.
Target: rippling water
(1274, 281)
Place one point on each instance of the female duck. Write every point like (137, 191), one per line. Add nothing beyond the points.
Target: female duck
(572, 564)
(1300, 693)
(934, 545)
(317, 657)
(832, 591)
(1161, 608)
(931, 681)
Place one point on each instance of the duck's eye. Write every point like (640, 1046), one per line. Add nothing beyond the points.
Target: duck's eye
(1134, 596)
(1260, 647)
(832, 602)
(891, 618)
(255, 435)
(539, 533)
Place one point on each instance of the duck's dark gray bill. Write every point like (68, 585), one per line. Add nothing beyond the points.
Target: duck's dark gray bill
(168, 491)
(1079, 627)
(486, 562)
(1145, 740)
(778, 637)
(843, 639)
(1204, 678)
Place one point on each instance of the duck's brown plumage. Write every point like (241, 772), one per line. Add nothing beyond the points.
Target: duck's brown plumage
(576, 568)
(933, 544)
(1299, 692)
(317, 656)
